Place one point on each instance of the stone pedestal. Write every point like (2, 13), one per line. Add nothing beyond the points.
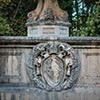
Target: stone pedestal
(48, 20)
(49, 29)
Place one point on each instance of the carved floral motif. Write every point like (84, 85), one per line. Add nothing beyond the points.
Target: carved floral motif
(53, 66)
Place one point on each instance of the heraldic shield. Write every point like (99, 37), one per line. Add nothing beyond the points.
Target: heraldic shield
(53, 66)
(53, 70)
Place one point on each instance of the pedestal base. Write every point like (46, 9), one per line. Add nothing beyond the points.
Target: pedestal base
(48, 30)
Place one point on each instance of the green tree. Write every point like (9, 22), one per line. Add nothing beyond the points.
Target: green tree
(15, 13)
(92, 26)
(81, 12)
(5, 29)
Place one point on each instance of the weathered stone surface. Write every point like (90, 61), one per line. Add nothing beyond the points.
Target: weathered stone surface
(15, 83)
(10, 96)
(53, 66)
(79, 93)
(48, 20)
(48, 10)
(48, 30)
(90, 70)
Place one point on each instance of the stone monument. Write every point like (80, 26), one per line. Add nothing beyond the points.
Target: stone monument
(48, 20)
(47, 64)
(53, 66)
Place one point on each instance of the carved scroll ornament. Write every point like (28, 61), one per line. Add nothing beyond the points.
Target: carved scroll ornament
(53, 66)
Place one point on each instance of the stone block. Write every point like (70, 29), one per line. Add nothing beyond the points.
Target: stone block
(48, 31)
(14, 80)
(10, 96)
(90, 70)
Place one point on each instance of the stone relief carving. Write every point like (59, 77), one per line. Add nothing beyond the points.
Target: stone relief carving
(53, 70)
(53, 66)
(48, 10)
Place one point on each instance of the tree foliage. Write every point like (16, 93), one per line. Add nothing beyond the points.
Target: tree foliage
(15, 12)
(5, 29)
(92, 26)
(81, 16)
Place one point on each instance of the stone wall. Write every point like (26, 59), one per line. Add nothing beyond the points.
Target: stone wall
(16, 85)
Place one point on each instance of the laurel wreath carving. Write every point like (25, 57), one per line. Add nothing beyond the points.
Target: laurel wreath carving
(62, 51)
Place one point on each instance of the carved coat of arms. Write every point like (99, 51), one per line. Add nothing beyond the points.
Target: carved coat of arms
(53, 66)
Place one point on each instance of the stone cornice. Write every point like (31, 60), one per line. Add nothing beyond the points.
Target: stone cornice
(22, 40)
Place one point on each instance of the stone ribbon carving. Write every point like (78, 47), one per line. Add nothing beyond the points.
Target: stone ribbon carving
(53, 66)
(48, 10)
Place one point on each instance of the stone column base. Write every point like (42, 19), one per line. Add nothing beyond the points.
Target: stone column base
(48, 29)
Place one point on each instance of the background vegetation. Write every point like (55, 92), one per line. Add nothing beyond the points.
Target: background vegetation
(84, 15)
